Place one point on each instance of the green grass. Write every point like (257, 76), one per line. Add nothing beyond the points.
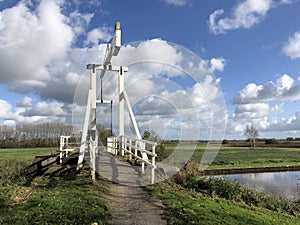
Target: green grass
(186, 206)
(263, 156)
(24, 154)
(56, 200)
(59, 197)
(241, 157)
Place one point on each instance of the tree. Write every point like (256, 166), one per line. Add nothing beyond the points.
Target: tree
(252, 134)
(151, 135)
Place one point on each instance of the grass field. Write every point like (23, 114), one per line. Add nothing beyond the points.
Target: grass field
(24, 154)
(233, 157)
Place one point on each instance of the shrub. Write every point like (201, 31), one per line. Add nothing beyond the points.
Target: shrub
(161, 152)
(271, 141)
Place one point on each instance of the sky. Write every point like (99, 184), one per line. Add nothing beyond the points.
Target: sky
(197, 69)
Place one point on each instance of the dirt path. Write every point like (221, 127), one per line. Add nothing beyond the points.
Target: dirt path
(130, 205)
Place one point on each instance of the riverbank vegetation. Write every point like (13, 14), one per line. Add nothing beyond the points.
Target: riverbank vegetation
(184, 205)
(189, 199)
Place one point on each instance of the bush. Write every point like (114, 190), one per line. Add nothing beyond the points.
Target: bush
(161, 152)
(189, 170)
(225, 142)
(271, 141)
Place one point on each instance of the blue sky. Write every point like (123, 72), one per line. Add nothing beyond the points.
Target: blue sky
(251, 49)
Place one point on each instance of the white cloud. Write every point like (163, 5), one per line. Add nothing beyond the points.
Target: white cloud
(178, 2)
(217, 64)
(285, 89)
(284, 124)
(27, 112)
(5, 111)
(255, 104)
(292, 47)
(154, 50)
(37, 53)
(30, 42)
(99, 34)
(79, 21)
(245, 14)
(255, 111)
(45, 109)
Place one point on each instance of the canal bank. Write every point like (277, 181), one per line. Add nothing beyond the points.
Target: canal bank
(261, 169)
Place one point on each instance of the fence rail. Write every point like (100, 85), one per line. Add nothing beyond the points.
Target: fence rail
(140, 149)
(66, 147)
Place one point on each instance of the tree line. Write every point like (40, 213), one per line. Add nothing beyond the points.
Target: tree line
(43, 135)
(33, 135)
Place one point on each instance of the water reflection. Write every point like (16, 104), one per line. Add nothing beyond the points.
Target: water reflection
(282, 184)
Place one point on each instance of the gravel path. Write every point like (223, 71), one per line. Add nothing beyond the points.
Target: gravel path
(130, 205)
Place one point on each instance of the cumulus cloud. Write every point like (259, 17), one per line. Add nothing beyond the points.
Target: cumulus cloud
(150, 50)
(45, 109)
(26, 111)
(99, 34)
(292, 47)
(36, 49)
(258, 104)
(284, 125)
(29, 42)
(255, 111)
(245, 15)
(284, 89)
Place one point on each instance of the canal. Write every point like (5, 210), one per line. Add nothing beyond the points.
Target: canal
(282, 184)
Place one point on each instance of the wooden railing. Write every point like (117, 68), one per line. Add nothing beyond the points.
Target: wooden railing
(140, 149)
(66, 147)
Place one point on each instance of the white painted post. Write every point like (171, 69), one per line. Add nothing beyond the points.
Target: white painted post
(143, 162)
(130, 149)
(153, 165)
(115, 145)
(61, 149)
(83, 143)
(121, 108)
(131, 116)
(93, 135)
(136, 146)
(67, 145)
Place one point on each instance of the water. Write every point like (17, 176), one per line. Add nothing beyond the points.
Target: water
(282, 184)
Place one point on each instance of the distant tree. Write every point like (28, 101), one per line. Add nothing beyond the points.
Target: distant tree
(103, 134)
(289, 139)
(151, 135)
(225, 142)
(252, 133)
(271, 141)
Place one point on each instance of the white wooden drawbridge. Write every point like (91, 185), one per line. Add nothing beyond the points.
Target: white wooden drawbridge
(120, 145)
